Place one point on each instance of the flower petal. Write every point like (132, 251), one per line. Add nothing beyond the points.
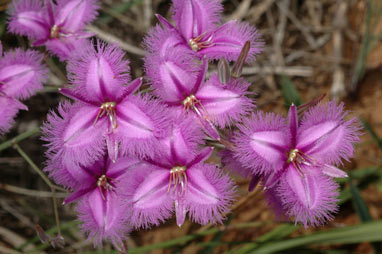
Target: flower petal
(228, 40)
(141, 121)
(147, 194)
(182, 141)
(310, 198)
(194, 17)
(104, 217)
(326, 136)
(333, 171)
(73, 135)
(22, 73)
(208, 194)
(262, 143)
(99, 74)
(73, 15)
(224, 105)
(27, 18)
(173, 77)
(9, 108)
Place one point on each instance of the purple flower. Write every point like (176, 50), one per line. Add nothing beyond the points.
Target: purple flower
(181, 84)
(104, 110)
(197, 29)
(60, 27)
(178, 180)
(296, 160)
(21, 75)
(97, 189)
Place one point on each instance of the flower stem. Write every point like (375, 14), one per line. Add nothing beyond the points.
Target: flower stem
(46, 180)
(19, 138)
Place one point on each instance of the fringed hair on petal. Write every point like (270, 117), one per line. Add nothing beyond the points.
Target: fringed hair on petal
(78, 66)
(33, 59)
(145, 218)
(206, 11)
(8, 111)
(226, 191)
(351, 129)
(20, 6)
(90, 13)
(160, 118)
(244, 106)
(53, 130)
(114, 234)
(325, 205)
(237, 31)
(257, 122)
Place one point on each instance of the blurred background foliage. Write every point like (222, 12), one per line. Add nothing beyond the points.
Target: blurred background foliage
(312, 47)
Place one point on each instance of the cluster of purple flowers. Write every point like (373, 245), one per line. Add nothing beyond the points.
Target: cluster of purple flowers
(131, 160)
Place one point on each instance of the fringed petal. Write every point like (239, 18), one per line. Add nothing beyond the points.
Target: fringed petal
(27, 18)
(160, 41)
(182, 141)
(228, 40)
(309, 198)
(262, 143)
(173, 76)
(194, 17)
(22, 73)
(208, 195)
(147, 195)
(224, 104)
(326, 136)
(73, 135)
(73, 15)
(65, 48)
(141, 122)
(104, 217)
(99, 74)
(9, 108)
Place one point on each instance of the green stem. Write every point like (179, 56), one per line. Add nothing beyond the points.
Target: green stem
(18, 138)
(46, 180)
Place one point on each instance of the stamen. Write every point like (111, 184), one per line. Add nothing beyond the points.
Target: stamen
(54, 32)
(196, 44)
(104, 183)
(108, 108)
(178, 176)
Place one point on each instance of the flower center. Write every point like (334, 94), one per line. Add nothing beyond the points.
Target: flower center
(297, 158)
(197, 44)
(55, 32)
(105, 183)
(178, 177)
(109, 109)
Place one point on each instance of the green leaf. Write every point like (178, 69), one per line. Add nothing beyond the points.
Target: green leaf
(359, 204)
(289, 92)
(372, 133)
(367, 232)
(277, 233)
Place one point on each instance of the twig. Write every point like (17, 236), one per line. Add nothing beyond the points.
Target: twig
(18, 138)
(147, 13)
(309, 38)
(301, 71)
(258, 10)
(338, 89)
(114, 39)
(241, 10)
(29, 192)
(46, 180)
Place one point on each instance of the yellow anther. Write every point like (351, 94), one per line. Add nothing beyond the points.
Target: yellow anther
(54, 32)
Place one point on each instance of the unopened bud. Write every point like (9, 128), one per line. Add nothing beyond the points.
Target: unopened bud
(238, 67)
